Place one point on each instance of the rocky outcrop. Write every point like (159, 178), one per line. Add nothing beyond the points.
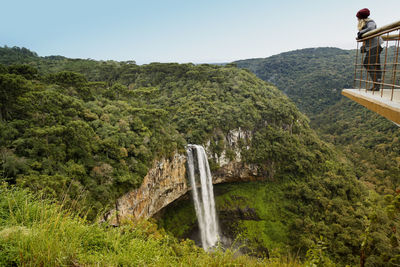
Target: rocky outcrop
(167, 180)
(233, 169)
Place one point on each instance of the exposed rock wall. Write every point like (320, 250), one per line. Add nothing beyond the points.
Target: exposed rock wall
(166, 181)
(234, 170)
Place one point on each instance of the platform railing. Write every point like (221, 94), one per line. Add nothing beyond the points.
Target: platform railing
(379, 73)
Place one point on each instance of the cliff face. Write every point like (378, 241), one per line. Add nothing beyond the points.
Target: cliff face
(166, 181)
(234, 170)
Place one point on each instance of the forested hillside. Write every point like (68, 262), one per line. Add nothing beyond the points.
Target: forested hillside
(64, 133)
(313, 78)
(85, 132)
(370, 141)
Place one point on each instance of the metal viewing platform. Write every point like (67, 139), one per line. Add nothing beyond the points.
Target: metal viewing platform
(376, 84)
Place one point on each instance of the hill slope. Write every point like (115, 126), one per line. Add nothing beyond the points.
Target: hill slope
(369, 140)
(95, 133)
(60, 131)
(312, 78)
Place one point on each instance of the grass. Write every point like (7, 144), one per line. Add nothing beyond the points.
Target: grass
(268, 231)
(37, 232)
(266, 198)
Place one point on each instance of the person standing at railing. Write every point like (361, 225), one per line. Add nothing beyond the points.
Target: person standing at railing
(371, 47)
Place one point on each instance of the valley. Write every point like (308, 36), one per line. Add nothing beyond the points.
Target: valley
(85, 133)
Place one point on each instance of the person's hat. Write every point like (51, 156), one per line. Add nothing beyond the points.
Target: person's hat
(363, 13)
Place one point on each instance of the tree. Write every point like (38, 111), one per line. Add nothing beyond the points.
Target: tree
(67, 79)
(11, 87)
(28, 72)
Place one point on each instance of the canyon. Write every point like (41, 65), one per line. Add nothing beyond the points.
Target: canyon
(167, 181)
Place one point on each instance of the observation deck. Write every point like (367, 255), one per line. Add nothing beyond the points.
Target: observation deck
(379, 72)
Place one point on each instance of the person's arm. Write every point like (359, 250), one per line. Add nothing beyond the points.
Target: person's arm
(370, 26)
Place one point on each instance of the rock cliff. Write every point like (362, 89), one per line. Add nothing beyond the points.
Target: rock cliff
(166, 181)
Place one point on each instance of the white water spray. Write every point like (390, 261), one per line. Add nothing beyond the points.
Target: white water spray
(203, 204)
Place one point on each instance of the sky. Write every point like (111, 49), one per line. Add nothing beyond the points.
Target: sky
(197, 31)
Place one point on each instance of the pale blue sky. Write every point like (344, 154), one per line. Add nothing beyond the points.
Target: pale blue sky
(183, 30)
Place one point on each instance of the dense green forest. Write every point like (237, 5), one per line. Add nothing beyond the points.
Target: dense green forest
(368, 140)
(313, 78)
(84, 132)
(62, 132)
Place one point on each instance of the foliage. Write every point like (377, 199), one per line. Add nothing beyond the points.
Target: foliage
(35, 232)
(392, 208)
(90, 130)
(312, 77)
(368, 141)
(287, 215)
(57, 136)
(99, 139)
(316, 256)
(11, 87)
(16, 55)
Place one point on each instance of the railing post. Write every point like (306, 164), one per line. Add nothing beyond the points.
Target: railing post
(361, 68)
(395, 65)
(384, 64)
(355, 66)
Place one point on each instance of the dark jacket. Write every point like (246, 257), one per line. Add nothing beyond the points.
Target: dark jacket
(373, 42)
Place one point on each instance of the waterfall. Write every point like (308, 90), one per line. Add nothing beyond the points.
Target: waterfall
(204, 203)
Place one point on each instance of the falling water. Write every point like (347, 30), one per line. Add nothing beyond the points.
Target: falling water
(204, 202)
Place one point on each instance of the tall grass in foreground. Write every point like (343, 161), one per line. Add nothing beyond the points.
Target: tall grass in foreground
(35, 232)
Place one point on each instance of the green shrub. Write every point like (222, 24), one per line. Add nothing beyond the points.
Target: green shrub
(36, 232)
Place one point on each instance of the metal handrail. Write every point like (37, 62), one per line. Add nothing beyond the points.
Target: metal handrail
(388, 84)
(380, 31)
